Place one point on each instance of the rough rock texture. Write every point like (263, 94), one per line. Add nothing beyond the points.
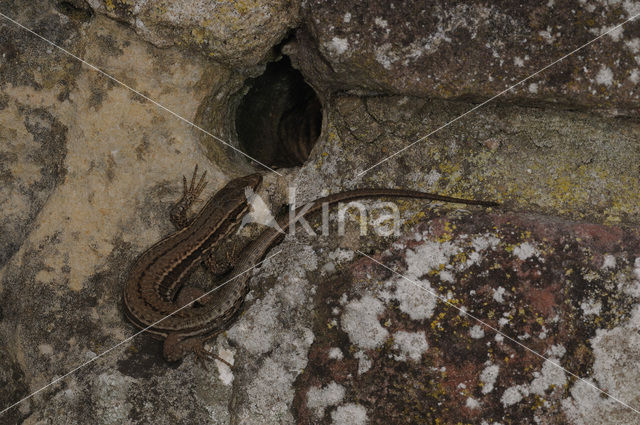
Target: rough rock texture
(77, 153)
(88, 170)
(555, 161)
(565, 290)
(239, 33)
(475, 49)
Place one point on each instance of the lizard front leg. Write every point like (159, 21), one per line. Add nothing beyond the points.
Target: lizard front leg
(190, 194)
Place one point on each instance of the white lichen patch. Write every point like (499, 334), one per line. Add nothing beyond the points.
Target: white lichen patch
(415, 299)
(556, 351)
(109, 393)
(547, 36)
(349, 414)
(631, 7)
(591, 307)
(318, 399)
(429, 256)
(533, 88)
(296, 258)
(488, 377)
(476, 332)
(432, 177)
(335, 353)
(608, 262)
(484, 242)
(543, 333)
(472, 403)
(364, 362)
(360, 322)
(258, 331)
(525, 250)
(604, 76)
(514, 394)
(616, 355)
(270, 391)
(410, 344)
(631, 286)
(340, 255)
(337, 45)
(587, 406)
(633, 45)
(612, 31)
(283, 350)
(328, 268)
(386, 55)
(446, 276)
(382, 23)
(498, 294)
(480, 244)
(550, 376)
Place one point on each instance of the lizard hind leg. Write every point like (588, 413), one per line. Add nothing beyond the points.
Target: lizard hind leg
(221, 260)
(177, 347)
(219, 267)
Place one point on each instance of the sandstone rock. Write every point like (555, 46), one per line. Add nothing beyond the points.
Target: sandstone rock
(89, 168)
(237, 33)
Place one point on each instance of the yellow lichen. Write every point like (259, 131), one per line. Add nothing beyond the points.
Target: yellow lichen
(199, 35)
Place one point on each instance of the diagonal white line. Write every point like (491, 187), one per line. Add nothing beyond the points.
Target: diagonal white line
(485, 324)
(158, 104)
(133, 336)
(497, 95)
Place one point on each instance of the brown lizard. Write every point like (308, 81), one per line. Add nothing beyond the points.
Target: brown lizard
(154, 289)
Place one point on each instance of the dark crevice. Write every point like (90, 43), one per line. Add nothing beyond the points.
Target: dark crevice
(77, 10)
(280, 118)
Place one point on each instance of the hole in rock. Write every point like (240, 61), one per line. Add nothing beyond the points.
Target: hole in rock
(76, 10)
(280, 118)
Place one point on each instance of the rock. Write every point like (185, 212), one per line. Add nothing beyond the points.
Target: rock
(85, 189)
(89, 167)
(240, 34)
(546, 271)
(474, 50)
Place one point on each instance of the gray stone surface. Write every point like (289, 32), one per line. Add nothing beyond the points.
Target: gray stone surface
(474, 50)
(237, 33)
(88, 170)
